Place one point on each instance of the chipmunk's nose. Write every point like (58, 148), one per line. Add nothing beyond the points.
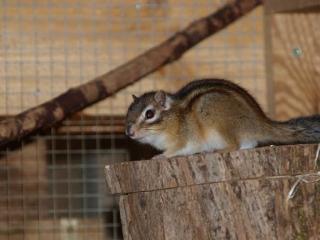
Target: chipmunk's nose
(129, 131)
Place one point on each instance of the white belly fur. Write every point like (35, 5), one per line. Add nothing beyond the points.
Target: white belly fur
(214, 142)
(248, 143)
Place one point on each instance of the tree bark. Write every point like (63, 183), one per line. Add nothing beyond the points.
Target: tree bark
(208, 168)
(56, 110)
(238, 195)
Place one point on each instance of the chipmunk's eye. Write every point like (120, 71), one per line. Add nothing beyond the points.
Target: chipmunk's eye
(149, 114)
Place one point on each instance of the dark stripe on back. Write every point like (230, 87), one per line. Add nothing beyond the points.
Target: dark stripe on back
(201, 93)
(216, 85)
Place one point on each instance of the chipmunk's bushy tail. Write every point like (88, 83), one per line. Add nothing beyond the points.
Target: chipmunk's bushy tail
(303, 129)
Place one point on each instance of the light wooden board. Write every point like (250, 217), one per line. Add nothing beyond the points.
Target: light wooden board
(295, 60)
(46, 48)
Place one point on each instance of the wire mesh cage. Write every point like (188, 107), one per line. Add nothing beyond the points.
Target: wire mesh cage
(52, 185)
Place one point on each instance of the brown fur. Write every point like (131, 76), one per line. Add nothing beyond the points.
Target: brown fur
(213, 109)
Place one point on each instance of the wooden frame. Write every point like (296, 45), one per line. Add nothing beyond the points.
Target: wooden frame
(292, 57)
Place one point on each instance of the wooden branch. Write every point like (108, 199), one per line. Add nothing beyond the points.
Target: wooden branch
(237, 195)
(54, 111)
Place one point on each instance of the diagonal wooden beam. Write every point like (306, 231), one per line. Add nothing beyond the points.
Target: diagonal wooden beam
(75, 99)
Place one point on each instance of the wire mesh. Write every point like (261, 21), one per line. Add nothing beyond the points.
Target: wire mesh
(52, 186)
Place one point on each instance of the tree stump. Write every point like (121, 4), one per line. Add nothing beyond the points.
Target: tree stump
(236, 195)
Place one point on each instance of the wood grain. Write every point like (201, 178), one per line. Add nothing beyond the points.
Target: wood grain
(295, 61)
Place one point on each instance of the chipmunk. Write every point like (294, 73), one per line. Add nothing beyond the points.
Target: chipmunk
(211, 115)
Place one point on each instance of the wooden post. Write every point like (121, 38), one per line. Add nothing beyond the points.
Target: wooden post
(236, 195)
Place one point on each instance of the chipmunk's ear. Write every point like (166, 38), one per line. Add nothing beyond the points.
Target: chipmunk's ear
(134, 97)
(162, 99)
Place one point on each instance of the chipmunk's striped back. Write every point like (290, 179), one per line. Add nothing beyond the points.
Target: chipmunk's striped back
(197, 88)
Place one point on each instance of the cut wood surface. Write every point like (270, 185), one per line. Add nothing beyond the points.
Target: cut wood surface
(149, 175)
(238, 195)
